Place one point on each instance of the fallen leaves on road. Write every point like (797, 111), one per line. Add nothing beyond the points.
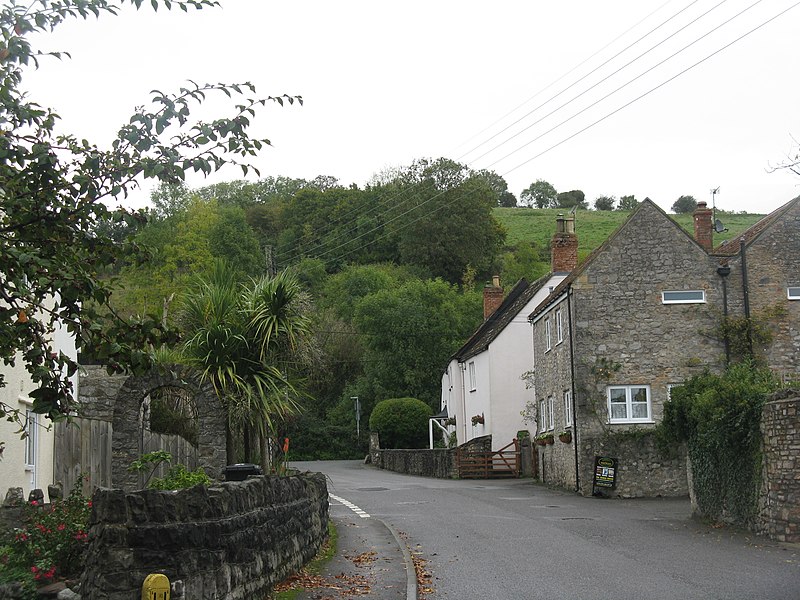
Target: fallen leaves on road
(345, 586)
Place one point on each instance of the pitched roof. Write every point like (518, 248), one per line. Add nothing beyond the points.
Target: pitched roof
(511, 306)
(564, 285)
(731, 247)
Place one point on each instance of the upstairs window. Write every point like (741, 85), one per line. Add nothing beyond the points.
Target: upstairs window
(559, 327)
(683, 297)
(548, 337)
(793, 293)
(473, 384)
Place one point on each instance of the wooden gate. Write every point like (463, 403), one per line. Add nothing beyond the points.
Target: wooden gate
(489, 465)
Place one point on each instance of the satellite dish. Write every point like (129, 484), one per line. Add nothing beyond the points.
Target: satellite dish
(719, 227)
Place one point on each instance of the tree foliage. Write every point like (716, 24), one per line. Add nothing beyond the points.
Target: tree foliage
(604, 203)
(684, 205)
(401, 422)
(572, 199)
(539, 194)
(627, 203)
(54, 189)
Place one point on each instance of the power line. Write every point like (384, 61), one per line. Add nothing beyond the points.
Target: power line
(660, 85)
(404, 195)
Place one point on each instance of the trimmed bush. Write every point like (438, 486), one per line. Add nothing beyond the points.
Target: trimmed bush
(401, 422)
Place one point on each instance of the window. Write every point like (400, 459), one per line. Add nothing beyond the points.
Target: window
(548, 343)
(629, 404)
(559, 327)
(551, 401)
(542, 415)
(473, 385)
(793, 293)
(30, 439)
(567, 408)
(683, 297)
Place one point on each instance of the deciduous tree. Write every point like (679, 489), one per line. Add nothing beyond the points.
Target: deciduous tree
(684, 205)
(539, 194)
(604, 203)
(55, 190)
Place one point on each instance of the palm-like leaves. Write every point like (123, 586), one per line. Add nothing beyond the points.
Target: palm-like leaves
(243, 339)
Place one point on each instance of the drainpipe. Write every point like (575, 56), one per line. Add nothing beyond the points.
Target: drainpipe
(572, 385)
(463, 367)
(723, 271)
(746, 295)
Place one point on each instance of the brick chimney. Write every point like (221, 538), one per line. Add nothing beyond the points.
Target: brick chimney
(492, 297)
(703, 227)
(564, 246)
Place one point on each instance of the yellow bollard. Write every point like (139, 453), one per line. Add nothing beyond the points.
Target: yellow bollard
(155, 587)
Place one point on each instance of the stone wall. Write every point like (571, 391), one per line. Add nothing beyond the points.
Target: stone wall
(642, 470)
(439, 462)
(779, 502)
(229, 541)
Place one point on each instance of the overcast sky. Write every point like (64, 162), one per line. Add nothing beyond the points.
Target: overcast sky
(518, 87)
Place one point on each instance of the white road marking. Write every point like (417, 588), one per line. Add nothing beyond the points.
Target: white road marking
(351, 506)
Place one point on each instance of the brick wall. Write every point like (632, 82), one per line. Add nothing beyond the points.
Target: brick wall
(231, 541)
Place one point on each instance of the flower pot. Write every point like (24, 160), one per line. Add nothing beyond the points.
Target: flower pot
(550, 440)
(565, 437)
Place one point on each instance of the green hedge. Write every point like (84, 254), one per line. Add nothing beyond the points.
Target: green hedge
(401, 422)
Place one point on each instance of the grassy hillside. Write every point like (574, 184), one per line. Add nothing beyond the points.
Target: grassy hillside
(593, 227)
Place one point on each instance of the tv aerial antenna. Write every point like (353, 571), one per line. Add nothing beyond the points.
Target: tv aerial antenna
(718, 226)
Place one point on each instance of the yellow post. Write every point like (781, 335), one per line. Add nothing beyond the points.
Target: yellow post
(155, 587)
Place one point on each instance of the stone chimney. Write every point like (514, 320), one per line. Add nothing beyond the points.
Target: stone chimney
(703, 227)
(492, 297)
(564, 246)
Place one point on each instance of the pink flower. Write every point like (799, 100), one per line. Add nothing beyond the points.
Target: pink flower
(34, 503)
(61, 527)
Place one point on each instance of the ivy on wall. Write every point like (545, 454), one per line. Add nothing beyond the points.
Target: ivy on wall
(719, 418)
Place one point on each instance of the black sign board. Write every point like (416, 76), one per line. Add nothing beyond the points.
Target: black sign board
(605, 472)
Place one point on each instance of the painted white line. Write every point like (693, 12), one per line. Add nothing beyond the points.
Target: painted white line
(351, 506)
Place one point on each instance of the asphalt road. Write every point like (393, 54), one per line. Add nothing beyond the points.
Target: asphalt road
(516, 539)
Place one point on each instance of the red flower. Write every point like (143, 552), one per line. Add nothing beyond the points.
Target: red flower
(61, 527)
(285, 445)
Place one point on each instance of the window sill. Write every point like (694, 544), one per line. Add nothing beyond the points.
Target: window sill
(632, 422)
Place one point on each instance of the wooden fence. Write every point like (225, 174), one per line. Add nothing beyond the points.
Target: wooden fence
(83, 447)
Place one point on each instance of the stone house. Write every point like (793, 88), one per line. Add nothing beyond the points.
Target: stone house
(483, 387)
(639, 316)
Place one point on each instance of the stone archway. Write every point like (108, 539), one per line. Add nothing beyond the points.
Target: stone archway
(125, 445)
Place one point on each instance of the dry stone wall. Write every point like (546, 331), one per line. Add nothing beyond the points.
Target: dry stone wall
(779, 502)
(231, 541)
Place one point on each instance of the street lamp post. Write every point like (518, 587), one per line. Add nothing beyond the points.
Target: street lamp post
(358, 415)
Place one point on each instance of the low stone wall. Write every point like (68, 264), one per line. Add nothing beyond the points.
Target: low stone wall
(642, 470)
(779, 502)
(439, 462)
(229, 541)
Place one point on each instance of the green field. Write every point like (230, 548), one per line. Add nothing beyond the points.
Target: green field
(594, 227)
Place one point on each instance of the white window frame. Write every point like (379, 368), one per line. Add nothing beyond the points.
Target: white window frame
(683, 297)
(551, 410)
(559, 327)
(542, 415)
(568, 408)
(793, 292)
(473, 380)
(548, 335)
(629, 404)
(31, 426)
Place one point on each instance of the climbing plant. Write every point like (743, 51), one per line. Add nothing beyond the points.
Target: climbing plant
(719, 416)
(746, 336)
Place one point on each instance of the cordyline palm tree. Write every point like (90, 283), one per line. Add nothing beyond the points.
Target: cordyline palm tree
(245, 340)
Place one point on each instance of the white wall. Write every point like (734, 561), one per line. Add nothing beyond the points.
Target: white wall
(15, 394)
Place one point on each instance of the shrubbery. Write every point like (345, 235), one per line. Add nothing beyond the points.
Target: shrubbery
(719, 418)
(50, 546)
(401, 422)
